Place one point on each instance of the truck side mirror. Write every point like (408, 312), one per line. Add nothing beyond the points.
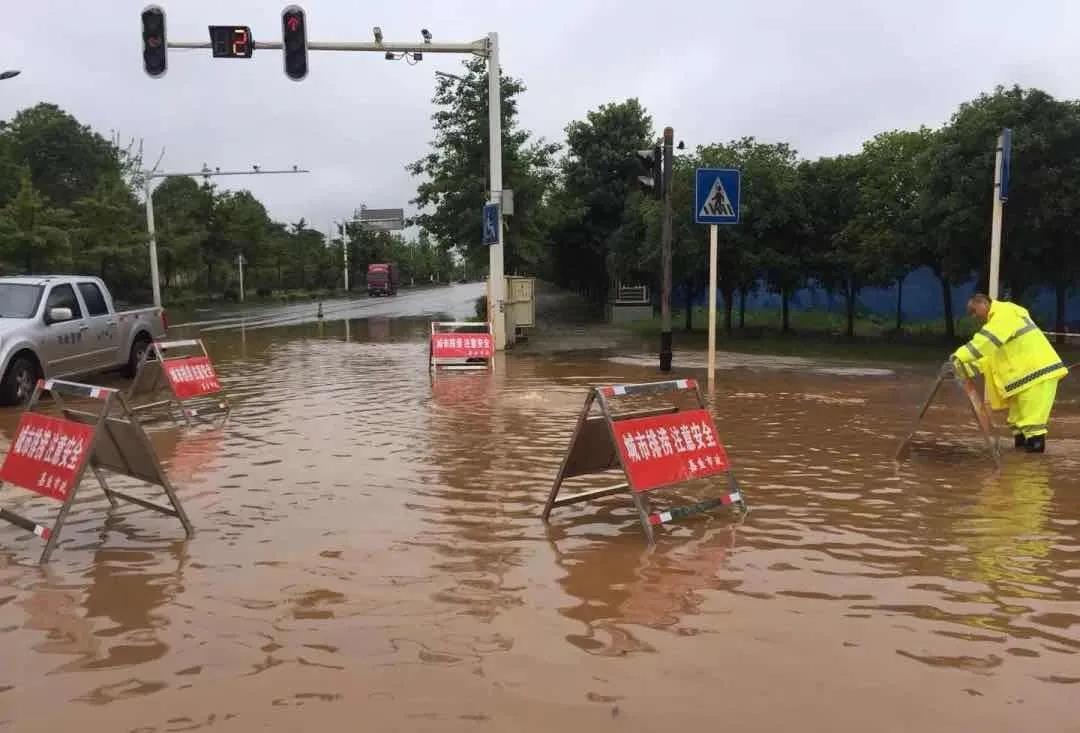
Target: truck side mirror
(58, 315)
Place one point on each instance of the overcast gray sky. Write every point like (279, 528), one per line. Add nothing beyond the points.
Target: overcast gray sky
(821, 74)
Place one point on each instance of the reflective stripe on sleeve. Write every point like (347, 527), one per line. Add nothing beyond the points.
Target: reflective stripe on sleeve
(985, 333)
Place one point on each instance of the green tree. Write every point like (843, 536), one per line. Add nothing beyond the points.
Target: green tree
(66, 159)
(244, 226)
(830, 191)
(108, 237)
(960, 184)
(889, 223)
(33, 236)
(1051, 164)
(456, 171)
(180, 214)
(771, 237)
(599, 174)
(306, 250)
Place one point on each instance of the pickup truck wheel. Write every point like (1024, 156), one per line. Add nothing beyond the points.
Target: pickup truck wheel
(19, 381)
(138, 349)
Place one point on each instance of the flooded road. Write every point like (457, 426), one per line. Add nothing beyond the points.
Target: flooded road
(369, 555)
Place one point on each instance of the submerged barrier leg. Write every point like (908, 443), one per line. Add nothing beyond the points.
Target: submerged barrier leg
(643, 513)
(905, 447)
(104, 486)
(54, 535)
(982, 418)
(560, 477)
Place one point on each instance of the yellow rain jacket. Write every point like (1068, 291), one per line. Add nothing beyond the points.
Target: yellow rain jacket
(1011, 351)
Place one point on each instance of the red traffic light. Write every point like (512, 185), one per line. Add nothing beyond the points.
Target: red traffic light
(154, 42)
(294, 40)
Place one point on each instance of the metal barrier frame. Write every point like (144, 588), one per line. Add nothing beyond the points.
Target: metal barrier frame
(586, 431)
(966, 387)
(434, 364)
(106, 451)
(150, 379)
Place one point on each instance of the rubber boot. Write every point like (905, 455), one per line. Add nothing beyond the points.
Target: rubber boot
(1019, 441)
(1036, 444)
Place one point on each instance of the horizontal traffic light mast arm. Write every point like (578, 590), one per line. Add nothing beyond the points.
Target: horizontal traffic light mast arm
(480, 48)
(207, 173)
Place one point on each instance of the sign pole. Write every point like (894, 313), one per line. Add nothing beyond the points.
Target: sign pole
(1002, 162)
(240, 264)
(717, 200)
(713, 231)
(996, 222)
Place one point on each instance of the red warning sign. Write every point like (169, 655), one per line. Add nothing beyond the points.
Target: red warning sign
(462, 346)
(668, 449)
(193, 376)
(47, 454)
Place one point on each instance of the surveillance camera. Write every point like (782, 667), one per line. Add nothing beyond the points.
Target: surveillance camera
(426, 34)
(378, 34)
(417, 56)
(390, 56)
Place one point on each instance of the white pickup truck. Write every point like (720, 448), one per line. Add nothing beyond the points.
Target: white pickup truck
(64, 326)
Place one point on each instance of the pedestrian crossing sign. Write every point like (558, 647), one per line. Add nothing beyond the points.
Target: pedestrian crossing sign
(717, 196)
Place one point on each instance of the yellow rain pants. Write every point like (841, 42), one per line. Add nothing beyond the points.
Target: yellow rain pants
(1029, 411)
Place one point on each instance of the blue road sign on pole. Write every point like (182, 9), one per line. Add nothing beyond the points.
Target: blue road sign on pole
(717, 195)
(1006, 163)
(491, 224)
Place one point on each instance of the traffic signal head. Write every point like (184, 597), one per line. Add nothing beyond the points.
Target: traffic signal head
(652, 164)
(153, 38)
(294, 36)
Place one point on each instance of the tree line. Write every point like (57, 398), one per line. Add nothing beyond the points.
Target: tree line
(907, 199)
(70, 202)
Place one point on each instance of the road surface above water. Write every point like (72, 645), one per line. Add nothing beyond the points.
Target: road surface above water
(369, 556)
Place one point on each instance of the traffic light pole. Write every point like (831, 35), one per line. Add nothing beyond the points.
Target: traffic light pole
(148, 188)
(496, 277)
(486, 48)
(665, 254)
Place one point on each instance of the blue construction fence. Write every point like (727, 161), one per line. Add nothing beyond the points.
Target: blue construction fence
(922, 301)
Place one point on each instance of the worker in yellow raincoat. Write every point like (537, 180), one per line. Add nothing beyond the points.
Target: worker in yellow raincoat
(1022, 369)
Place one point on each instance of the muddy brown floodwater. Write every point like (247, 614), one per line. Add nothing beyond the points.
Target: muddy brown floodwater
(369, 556)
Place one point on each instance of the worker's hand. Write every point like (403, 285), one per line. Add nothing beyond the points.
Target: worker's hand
(962, 369)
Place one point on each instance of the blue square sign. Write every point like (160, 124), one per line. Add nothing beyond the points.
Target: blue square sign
(717, 195)
(491, 224)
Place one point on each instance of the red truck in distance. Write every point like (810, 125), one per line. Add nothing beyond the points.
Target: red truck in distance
(382, 279)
